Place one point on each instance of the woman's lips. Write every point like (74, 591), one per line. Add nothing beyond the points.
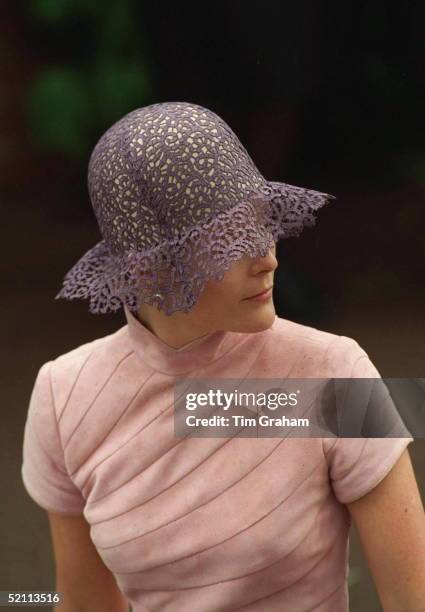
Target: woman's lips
(262, 297)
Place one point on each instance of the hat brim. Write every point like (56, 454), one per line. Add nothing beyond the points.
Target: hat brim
(292, 208)
(173, 274)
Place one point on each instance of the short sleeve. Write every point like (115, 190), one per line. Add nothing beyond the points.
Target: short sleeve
(357, 465)
(43, 470)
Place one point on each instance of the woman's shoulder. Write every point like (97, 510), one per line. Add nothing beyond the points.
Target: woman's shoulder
(101, 352)
(311, 351)
(299, 334)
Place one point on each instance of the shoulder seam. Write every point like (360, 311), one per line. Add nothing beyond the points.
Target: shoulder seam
(81, 368)
(331, 343)
(53, 407)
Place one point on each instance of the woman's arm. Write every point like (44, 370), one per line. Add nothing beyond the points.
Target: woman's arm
(390, 520)
(82, 578)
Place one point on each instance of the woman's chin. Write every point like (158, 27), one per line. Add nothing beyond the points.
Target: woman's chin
(259, 319)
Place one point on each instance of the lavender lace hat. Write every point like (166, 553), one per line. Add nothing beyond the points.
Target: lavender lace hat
(178, 200)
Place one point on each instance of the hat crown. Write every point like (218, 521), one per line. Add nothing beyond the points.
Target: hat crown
(163, 169)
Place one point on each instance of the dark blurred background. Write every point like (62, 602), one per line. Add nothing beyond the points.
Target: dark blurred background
(325, 95)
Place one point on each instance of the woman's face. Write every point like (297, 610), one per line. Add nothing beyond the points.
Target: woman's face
(224, 304)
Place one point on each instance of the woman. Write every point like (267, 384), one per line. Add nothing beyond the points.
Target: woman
(142, 516)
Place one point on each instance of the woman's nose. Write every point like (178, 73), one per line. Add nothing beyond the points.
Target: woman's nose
(267, 262)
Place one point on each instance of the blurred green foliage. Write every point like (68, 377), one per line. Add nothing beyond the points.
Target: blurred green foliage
(60, 110)
(52, 10)
(72, 101)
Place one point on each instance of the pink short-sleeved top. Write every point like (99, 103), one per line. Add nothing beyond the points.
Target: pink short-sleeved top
(205, 524)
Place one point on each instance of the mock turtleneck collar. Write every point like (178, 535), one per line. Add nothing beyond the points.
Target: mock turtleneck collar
(158, 355)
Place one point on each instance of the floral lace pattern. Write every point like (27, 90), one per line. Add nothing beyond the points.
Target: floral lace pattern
(178, 200)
